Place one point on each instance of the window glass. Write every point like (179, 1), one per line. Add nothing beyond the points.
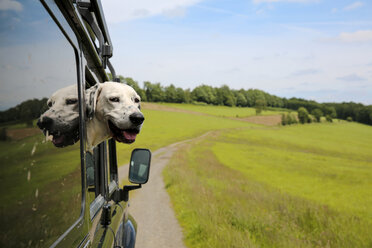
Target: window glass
(40, 176)
(112, 160)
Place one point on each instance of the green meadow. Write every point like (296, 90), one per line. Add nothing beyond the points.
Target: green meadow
(223, 111)
(241, 185)
(162, 128)
(293, 186)
(40, 189)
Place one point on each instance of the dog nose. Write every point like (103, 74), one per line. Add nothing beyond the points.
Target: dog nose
(45, 122)
(136, 118)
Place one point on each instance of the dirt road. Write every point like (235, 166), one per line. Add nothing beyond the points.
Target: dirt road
(151, 206)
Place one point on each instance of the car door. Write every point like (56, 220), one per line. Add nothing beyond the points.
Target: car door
(42, 171)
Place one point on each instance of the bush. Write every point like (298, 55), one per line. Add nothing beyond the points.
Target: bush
(3, 135)
(29, 123)
(260, 105)
(350, 119)
(284, 119)
(329, 118)
(303, 115)
(288, 119)
(317, 113)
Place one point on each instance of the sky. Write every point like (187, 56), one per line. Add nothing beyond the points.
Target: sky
(35, 58)
(313, 49)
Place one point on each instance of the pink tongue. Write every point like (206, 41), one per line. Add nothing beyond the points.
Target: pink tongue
(129, 136)
(58, 140)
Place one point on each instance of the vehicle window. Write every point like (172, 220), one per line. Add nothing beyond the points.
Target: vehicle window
(40, 175)
(112, 163)
(95, 180)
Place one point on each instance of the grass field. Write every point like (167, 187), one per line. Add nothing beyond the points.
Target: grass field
(222, 111)
(242, 185)
(162, 128)
(41, 190)
(294, 186)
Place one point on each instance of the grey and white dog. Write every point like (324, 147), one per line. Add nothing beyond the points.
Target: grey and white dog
(61, 120)
(114, 111)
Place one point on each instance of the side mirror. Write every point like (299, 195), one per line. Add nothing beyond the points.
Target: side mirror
(139, 171)
(139, 166)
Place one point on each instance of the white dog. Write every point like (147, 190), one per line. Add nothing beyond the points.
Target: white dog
(61, 120)
(114, 111)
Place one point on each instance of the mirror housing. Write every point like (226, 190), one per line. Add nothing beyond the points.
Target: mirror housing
(139, 171)
(139, 166)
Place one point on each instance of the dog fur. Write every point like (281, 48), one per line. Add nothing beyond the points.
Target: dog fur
(61, 120)
(114, 112)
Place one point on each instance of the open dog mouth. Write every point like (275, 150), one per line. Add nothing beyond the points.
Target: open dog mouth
(63, 139)
(123, 135)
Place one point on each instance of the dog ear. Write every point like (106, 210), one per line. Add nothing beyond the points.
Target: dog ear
(91, 96)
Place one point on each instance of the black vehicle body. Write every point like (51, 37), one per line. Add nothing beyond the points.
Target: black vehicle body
(37, 179)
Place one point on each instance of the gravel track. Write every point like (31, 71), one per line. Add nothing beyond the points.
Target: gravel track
(151, 205)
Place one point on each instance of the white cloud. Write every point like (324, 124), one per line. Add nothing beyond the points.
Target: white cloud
(306, 72)
(351, 78)
(358, 36)
(291, 1)
(125, 10)
(354, 5)
(175, 12)
(10, 5)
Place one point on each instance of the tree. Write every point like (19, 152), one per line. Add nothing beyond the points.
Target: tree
(180, 95)
(260, 104)
(204, 93)
(224, 96)
(241, 100)
(363, 115)
(317, 113)
(329, 118)
(329, 110)
(291, 119)
(303, 115)
(284, 119)
(170, 94)
(154, 92)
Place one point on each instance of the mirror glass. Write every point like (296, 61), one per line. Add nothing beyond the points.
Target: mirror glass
(139, 166)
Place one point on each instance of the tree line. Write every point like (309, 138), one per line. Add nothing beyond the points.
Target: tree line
(204, 94)
(25, 111)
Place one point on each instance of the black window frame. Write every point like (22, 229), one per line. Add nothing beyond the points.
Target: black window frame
(91, 63)
(58, 12)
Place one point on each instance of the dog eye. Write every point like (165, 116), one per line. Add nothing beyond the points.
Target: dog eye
(114, 99)
(136, 100)
(50, 104)
(71, 101)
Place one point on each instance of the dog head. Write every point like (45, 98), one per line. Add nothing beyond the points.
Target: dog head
(61, 120)
(117, 107)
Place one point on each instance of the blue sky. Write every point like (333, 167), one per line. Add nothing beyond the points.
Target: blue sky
(35, 58)
(315, 49)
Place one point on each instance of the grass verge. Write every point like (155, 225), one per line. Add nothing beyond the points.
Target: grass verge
(296, 186)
